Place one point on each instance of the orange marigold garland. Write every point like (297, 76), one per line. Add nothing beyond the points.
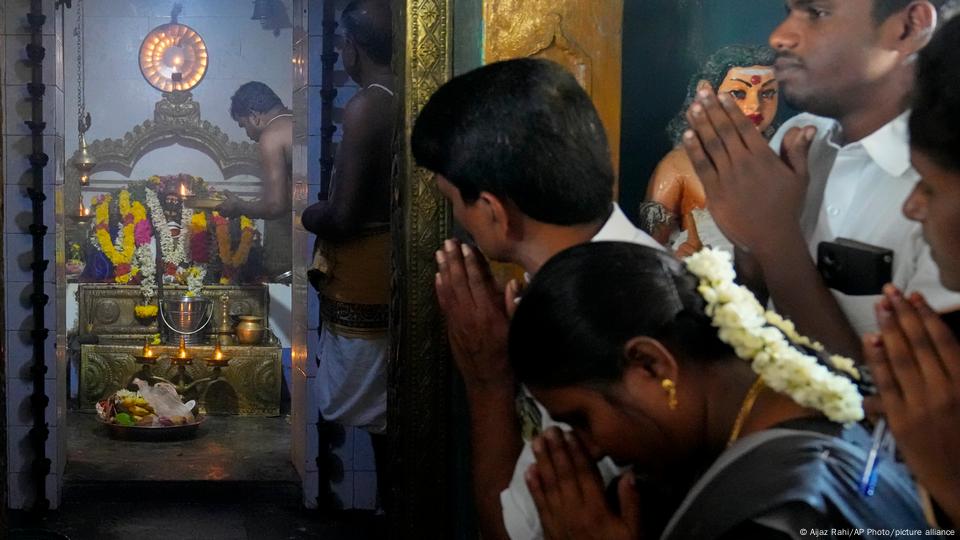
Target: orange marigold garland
(232, 261)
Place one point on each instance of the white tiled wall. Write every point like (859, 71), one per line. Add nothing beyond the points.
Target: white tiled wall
(18, 245)
(358, 487)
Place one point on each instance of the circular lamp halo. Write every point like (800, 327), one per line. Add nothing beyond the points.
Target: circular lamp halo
(173, 58)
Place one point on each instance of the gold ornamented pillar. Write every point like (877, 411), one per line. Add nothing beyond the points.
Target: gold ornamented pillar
(583, 36)
(419, 368)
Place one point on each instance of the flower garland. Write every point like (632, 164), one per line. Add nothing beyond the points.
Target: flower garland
(174, 251)
(233, 261)
(199, 242)
(148, 270)
(195, 276)
(145, 312)
(122, 250)
(769, 342)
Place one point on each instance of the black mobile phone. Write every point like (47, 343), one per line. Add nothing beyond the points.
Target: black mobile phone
(853, 267)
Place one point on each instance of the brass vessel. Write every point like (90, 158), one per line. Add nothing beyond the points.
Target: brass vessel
(250, 330)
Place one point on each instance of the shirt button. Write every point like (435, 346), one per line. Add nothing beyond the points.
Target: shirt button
(833, 211)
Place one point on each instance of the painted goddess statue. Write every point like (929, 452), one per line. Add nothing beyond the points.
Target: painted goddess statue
(679, 202)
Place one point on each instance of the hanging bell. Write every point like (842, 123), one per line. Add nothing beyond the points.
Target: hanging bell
(260, 10)
(84, 162)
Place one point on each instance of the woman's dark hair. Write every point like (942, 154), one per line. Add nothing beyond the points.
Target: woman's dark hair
(522, 130)
(714, 70)
(588, 301)
(935, 120)
(252, 97)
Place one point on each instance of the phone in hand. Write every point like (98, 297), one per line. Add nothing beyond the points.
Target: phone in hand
(854, 268)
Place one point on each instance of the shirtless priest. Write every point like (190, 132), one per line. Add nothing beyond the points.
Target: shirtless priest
(259, 111)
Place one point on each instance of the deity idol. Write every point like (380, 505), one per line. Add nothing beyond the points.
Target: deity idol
(172, 204)
(745, 73)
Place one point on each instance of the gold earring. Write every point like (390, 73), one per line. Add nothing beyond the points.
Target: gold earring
(671, 388)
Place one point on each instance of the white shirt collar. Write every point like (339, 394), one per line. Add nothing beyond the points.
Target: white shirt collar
(888, 147)
(617, 228)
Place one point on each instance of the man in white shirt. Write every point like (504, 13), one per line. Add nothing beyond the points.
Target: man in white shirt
(519, 151)
(843, 173)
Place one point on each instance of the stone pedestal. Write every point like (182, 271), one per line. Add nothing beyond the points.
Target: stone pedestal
(249, 386)
(106, 310)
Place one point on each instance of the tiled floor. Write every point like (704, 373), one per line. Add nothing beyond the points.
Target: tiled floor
(226, 448)
(197, 511)
(234, 481)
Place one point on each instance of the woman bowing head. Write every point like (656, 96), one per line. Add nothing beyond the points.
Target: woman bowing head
(736, 425)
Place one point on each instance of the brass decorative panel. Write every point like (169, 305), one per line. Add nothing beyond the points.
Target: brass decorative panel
(584, 37)
(250, 385)
(106, 310)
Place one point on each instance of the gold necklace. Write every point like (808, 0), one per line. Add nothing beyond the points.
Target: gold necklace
(745, 408)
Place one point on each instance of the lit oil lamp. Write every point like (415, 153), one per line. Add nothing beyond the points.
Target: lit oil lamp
(83, 214)
(146, 358)
(182, 357)
(218, 359)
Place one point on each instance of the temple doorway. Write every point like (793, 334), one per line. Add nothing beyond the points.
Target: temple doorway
(160, 287)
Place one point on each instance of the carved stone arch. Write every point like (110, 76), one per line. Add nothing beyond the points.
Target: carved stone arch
(176, 120)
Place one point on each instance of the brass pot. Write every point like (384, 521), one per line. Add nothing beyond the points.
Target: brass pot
(250, 330)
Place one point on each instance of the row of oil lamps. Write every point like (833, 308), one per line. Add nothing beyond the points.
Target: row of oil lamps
(183, 357)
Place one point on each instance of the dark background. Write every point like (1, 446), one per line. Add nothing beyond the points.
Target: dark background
(663, 43)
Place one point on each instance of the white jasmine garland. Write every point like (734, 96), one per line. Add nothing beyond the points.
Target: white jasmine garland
(148, 286)
(118, 242)
(765, 339)
(174, 252)
(195, 277)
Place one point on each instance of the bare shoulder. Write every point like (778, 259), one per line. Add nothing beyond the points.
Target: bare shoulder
(368, 105)
(675, 163)
(279, 134)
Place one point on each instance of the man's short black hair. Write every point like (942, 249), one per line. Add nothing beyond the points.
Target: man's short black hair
(371, 31)
(253, 97)
(935, 120)
(522, 130)
(885, 8)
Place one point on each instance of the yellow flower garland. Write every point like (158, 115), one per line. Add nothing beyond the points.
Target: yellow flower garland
(199, 221)
(145, 312)
(124, 257)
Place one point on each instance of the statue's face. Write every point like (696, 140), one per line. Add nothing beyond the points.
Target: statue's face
(757, 93)
(171, 206)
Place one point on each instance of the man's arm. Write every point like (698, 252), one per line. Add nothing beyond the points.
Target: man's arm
(477, 326)
(275, 198)
(355, 172)
(756, 198)
(750, 275)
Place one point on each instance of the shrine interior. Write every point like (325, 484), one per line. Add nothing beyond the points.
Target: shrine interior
(146, 147)
(223, 318)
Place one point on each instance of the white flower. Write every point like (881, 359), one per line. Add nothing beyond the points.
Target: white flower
(147, 264)
(174, 252)
(195, 276)
(767, 340)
